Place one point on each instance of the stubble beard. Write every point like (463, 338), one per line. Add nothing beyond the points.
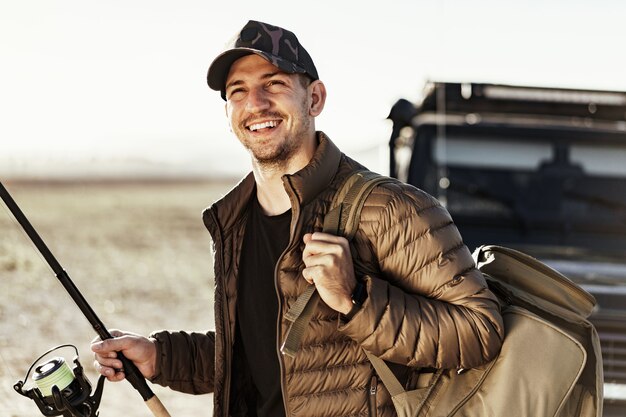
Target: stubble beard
(278, 157)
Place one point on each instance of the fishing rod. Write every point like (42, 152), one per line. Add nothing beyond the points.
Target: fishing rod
(56, 398)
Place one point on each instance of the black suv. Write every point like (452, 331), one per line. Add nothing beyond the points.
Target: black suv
(541, 170)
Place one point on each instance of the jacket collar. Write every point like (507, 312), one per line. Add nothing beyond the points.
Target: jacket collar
(305, 185)
(317, 175)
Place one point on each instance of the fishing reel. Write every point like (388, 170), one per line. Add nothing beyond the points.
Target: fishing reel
(60, 390)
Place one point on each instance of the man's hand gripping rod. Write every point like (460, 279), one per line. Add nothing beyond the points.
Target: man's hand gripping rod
(132, 373)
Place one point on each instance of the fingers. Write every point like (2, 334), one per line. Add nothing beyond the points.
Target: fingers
(325, 250)
(328, 266)
(106, 362)
(108, 346)
(108, 365)
(105, 354)
(325, 237)
(136, 348)
(311, 272)
(323, 244)
(112, 373)
(112, 332)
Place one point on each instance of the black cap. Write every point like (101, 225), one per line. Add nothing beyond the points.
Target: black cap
(277, 45)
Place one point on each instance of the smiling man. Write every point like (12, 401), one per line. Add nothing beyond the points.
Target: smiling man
(422, 304)
(271, 112)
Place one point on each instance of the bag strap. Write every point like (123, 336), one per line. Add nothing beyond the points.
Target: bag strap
(342, 220)
(384, 373)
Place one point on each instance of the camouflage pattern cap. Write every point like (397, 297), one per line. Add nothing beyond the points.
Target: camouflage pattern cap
(277, 45)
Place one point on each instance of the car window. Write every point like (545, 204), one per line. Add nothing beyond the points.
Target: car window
(491, 153)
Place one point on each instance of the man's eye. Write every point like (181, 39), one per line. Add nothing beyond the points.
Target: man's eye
(275, 83)
(235, 93)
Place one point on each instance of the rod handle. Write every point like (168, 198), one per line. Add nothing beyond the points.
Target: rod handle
(157, 408)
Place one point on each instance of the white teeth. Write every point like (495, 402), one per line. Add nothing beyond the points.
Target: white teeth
(257, 126)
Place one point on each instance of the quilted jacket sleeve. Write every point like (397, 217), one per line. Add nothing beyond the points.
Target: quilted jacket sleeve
(427, 305)
(185, 361)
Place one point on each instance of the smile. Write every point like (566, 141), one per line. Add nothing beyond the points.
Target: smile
(264, 125)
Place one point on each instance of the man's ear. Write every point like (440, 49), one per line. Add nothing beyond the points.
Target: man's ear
(318, 97)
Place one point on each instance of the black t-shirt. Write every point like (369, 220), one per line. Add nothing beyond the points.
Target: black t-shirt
(266, 237)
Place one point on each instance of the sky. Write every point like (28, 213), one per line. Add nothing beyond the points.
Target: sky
(118, 87)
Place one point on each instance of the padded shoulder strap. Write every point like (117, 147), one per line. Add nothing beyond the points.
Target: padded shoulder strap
(341, 220)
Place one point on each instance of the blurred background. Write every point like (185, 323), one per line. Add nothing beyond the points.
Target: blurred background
(118, 88)
(112, 142)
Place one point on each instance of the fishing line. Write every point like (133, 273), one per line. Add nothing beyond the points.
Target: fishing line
(60, 390)
(53, 372)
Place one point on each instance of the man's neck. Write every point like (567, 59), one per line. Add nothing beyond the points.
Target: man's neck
(271, 192)
(272, 195)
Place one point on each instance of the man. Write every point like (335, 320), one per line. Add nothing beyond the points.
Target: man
(421, 303)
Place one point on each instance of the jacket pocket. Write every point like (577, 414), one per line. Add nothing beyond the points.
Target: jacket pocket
(371, 396)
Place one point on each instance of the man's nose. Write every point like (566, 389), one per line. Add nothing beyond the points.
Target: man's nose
(257, 100)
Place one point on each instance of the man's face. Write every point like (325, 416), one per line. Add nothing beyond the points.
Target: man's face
(267, 109)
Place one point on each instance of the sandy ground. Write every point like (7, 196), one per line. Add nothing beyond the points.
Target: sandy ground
(139, 254)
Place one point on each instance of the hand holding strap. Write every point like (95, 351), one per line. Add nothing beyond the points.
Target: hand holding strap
(342, 220)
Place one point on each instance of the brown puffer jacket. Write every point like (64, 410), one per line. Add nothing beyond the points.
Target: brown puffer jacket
(427, 305)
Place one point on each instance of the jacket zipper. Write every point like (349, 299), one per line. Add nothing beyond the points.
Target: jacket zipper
(228, 342)
(373, 389)
(281, 363)
(225, 323)
(295, 215)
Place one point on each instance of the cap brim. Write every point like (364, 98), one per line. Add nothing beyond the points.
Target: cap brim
(219, 68)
